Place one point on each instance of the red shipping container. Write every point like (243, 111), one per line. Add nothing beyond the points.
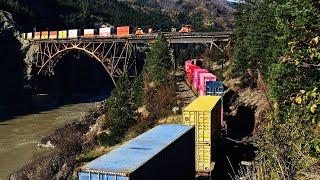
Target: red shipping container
(53, 34)
(123, 30)
(196, 76)
(191, 73)
(204, 77)
(186, 65)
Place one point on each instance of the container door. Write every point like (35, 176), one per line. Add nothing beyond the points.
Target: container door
(203, 157)
(203, 127)
(202, 123)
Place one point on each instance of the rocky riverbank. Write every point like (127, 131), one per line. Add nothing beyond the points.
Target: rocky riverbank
(65, 144)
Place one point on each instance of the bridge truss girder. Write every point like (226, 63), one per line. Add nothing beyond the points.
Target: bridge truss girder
(117, 57)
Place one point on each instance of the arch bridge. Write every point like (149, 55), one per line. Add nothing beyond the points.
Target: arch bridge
(116, 54)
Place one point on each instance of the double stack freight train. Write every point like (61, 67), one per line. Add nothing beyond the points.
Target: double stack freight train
(167, 152)
(203, 83)
(105, 32)
(200, 80)
(172, 151)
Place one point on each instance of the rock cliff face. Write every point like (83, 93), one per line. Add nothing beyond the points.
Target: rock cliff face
(16, 57)
(11, 61)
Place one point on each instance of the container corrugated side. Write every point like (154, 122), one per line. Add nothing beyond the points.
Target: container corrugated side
(176, 161)
(100, 176)
(169, 150)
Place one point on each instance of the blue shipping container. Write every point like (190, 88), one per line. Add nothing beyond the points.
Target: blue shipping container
(164, 152)
(214, 88)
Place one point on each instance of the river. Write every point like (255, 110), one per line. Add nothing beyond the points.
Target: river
(19, 135)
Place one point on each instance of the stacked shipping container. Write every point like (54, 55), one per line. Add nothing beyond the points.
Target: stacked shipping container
(196, 78)
(73, 33)
(37, 35)
(53, 34)
(88, 33)
(204, 113)
(165, 152)
(203, 79)
(44, 34)
(63, 34)
(105, 32)
(123, 30)
(190, 73)
(29, 35)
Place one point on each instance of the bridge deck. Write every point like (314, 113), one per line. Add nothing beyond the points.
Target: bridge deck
(172, 38)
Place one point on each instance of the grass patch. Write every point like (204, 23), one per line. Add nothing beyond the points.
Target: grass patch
(91, 155)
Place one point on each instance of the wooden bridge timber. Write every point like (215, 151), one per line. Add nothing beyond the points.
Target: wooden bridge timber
(116, 54)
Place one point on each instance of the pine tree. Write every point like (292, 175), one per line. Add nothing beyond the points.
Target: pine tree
(120, 112)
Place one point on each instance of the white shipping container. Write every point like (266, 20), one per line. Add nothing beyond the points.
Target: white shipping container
(105, 31)
(72, 33)
(88, 32)
(29, 35)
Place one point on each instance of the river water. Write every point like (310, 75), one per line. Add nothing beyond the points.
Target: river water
(19, 135)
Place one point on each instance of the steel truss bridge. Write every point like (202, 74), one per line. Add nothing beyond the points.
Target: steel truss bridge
(116, 54)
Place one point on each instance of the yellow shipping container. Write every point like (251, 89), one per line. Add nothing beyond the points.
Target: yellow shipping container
(63, 34)
(205, 114)
(204, 163)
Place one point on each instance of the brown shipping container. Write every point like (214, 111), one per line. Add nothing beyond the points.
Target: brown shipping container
(123, 30)
(53, 34)
(44, 34)
(37, 35)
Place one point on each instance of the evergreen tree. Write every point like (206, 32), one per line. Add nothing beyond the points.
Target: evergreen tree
(159, 82)
(256, 46)
(158, 63)
(120, 112)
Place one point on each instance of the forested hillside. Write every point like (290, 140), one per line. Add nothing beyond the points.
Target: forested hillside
(280, 39)
(204, 15)
(60, 14)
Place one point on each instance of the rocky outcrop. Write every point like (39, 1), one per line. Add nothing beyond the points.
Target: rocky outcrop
(7, 25)
(11, 61)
